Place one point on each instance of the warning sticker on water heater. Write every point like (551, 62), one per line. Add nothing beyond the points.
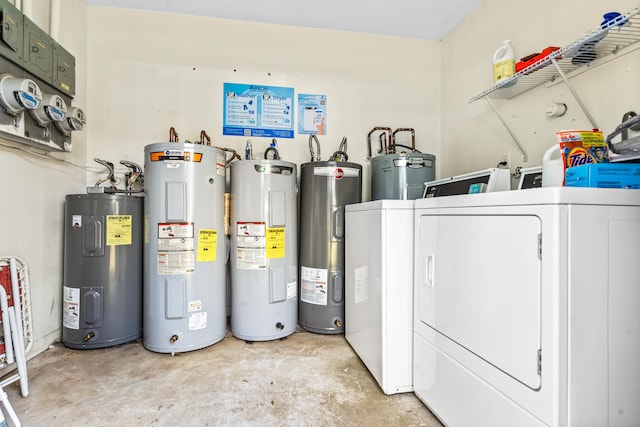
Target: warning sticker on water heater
(176, 262)
(198, 321)
(275, 242)
(221, 163)
(313, 285)
(71, 308)
(119, 230)
(207, 242)
(176, 243)
(251, 252)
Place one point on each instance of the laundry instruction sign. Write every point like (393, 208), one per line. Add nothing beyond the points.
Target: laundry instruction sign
(258, 110)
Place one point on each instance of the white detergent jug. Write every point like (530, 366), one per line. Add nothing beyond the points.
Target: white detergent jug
(504, 62)
(552, 168)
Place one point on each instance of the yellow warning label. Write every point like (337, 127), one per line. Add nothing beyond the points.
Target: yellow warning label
(119, 230)
(207, 243)
(275, 242)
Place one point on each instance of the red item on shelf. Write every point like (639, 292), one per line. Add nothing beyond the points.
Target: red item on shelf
(531, 59)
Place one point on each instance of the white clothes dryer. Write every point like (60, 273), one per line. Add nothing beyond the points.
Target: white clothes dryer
(526, 307)
(379, 289)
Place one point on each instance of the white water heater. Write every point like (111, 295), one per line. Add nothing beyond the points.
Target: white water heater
(185, 248)
(264, 249)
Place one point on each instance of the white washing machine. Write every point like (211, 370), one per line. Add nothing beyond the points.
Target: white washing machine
(527, 307)
(379, 289)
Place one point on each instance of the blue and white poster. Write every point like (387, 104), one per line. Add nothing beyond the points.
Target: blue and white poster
(312, 114)
(258, 110)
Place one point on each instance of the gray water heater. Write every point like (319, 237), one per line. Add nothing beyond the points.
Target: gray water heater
(326, 187)
(185, 248)
(102, 293)
(401, 176)
(264, 249)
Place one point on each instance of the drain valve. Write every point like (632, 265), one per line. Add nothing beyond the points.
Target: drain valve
(173, 339)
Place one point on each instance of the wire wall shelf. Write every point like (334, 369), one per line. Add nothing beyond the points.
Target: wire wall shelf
(608, 39)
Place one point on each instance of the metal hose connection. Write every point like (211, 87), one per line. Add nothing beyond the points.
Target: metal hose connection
(134, 174)
(110, 176)
(392, 146)
(173, 135)
(204, 138)
(384, 140)
(273, 148)
(313, 137)
(234, 155)
(341, 155)
(382, 147)
(248, 150)
(625, 131)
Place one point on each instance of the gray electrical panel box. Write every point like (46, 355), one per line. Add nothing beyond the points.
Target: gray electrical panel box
(38, 51)
(11, 45)
(64, 70)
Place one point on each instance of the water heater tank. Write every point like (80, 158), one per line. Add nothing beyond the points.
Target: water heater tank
(185, 248)
(102, 294)
(401, 176)
(326, 187)
(264, 249)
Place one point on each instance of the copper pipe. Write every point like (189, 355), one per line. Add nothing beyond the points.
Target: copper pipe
(413, 138)
(173, 135)
(203, 137)
(377, 128)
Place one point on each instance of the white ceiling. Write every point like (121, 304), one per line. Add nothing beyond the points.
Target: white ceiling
(421, 19)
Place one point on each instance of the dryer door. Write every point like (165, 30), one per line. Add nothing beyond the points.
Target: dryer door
(478, 279)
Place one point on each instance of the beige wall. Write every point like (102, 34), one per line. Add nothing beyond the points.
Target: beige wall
(472, 136)
(150, 71)
(33, 191)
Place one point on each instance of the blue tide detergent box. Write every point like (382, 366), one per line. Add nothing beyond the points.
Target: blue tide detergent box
(604, 175)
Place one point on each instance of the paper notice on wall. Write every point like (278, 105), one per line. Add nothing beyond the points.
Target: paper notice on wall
(313, 285)
(258, 110)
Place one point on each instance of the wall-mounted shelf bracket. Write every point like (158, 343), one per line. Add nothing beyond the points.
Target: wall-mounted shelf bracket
(574, 93)
(525, 156)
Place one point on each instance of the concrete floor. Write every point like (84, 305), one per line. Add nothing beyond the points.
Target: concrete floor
(304, 380)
